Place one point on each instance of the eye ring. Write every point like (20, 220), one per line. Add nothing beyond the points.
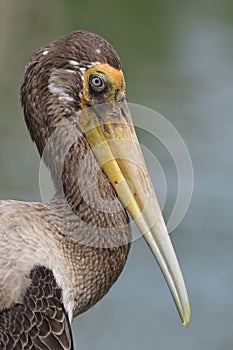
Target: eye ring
(96, 82)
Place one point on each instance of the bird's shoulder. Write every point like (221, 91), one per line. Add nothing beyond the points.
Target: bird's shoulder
(26, 241)
(40, 320)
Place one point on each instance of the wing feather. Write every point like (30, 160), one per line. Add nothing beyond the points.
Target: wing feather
(40, 321)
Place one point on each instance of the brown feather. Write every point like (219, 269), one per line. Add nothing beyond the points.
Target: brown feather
(78, 250)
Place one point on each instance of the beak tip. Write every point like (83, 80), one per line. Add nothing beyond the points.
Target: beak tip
(186, 317)
(186, 323)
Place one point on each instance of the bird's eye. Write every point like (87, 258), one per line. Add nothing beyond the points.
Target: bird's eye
(96, 82)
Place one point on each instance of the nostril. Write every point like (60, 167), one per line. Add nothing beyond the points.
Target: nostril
(116, 94)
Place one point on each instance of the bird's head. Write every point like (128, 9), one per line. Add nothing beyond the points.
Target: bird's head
(102, 84)
(80, 77)
(66, 76)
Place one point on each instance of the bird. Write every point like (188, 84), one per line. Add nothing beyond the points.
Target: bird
(59, 257)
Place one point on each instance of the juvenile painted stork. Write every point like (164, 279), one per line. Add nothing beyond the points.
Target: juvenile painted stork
(59, 258)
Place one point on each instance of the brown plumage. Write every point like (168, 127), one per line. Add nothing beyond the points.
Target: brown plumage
(40, 321)
(59, 238)
(58, 258)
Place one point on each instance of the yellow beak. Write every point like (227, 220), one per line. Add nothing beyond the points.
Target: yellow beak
(111, 135)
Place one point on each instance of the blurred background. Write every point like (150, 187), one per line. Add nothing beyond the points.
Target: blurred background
(178, 59)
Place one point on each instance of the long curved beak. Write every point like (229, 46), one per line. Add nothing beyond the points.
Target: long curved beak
(111, 135)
